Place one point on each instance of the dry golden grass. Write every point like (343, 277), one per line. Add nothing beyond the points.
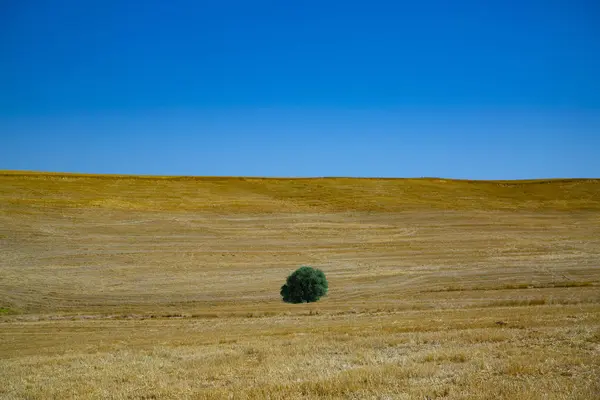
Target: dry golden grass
(123, 287)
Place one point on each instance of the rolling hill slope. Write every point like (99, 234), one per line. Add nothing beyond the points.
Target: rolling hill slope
(267, 195)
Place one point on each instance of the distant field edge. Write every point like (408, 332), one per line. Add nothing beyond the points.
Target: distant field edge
(26, 173)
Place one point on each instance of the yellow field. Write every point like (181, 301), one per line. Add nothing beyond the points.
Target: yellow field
(119, 287)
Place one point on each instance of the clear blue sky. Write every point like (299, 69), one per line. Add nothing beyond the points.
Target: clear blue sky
(461, 89)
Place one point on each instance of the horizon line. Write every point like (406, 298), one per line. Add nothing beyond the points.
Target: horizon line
(243, 177)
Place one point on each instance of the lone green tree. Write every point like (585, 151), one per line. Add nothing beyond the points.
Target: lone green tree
(305, 285)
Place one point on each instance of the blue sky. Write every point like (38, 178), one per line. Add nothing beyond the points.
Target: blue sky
(461, 89)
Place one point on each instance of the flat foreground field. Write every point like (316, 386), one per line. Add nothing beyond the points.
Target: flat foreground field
(116, 287)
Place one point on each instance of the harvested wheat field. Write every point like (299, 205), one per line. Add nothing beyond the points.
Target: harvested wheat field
(121, 287)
